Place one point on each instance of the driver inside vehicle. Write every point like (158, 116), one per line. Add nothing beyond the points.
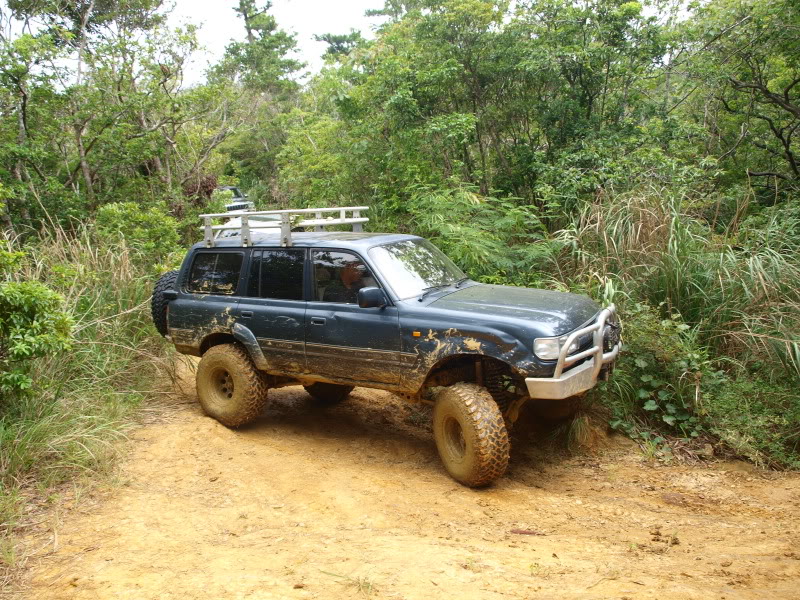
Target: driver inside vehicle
(344, 288)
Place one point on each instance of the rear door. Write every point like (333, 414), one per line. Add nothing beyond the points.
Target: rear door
(344, 341)
(208, 296)
(273, 307)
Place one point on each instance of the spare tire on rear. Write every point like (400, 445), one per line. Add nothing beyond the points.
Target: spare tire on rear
(158, 304)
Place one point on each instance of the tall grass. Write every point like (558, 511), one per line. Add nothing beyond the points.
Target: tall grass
(742, 294)
(713, 319)
(84, 400)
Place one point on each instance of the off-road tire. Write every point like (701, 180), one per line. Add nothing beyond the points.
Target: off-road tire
(328, 393)
(229, 386)
(556, 410)
(158, 304)
(497, 380)
(470, 434)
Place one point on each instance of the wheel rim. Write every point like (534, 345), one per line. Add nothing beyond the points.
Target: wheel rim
(454, 439)
(221, 386)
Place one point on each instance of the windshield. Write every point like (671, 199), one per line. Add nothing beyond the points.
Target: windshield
(412, 266)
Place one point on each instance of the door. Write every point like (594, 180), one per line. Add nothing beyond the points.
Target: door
(273, 307)
(344, 341)
(207, 298)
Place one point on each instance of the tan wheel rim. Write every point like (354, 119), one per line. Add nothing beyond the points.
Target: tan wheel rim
(220, 388)
(454, 440)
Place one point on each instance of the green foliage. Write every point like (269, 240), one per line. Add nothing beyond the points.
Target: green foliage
(150, 232)
(749, 65)
(489, 237)
(340, 44)
(744, 301)
(725, 320)
(261, 61)
(32, 324)
(665, 384)
(661, 377)
(757, 419)
(78, 403)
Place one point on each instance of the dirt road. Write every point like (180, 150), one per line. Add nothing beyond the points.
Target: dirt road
(351, 501)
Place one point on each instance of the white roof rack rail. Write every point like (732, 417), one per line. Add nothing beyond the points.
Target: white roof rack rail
(285, 220)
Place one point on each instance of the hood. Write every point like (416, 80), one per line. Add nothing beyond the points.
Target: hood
(554, 312)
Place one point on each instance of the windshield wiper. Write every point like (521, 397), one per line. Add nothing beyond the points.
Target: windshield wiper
(428, 290)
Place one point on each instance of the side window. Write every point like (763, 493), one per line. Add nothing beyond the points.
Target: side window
(338, 276)
(215, 273)
(276, 274)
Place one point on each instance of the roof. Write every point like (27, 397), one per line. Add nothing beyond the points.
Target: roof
(318, 239)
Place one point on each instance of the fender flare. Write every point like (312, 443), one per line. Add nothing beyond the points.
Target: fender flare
(246, 337)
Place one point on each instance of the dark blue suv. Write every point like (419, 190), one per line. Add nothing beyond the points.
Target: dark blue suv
(333, 310)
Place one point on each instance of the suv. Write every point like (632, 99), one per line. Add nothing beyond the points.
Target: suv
(330, 310)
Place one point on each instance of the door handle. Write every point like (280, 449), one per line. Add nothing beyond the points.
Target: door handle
(246, 314)
(317, 321)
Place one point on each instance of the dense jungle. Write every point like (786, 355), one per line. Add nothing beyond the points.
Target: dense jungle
(642, 153)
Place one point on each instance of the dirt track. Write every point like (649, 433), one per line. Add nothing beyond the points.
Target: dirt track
(351, 502)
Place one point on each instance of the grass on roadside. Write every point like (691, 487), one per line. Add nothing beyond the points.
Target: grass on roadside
(710, 318)
(84, 400)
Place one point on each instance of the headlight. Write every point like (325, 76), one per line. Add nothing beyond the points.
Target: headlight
(548, 348)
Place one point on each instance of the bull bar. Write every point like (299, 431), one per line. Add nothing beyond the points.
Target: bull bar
(583, 377)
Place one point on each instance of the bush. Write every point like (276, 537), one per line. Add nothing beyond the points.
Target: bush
(76, 404)
(149, 231)
(494, 239)
(661, 376)
(711, 337)
(32, 324)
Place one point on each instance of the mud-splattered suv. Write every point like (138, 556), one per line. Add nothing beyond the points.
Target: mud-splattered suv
(331, 310)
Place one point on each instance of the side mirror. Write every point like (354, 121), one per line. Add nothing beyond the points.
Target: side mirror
(371, 297)
(170, 294)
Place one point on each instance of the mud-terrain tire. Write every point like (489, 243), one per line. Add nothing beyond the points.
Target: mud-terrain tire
(556, 410)
(229, 386)
(470, 434)
(497, 382)
(328, 393)
(158, 304)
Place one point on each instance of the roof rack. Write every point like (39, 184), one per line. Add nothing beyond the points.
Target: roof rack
(283, 220)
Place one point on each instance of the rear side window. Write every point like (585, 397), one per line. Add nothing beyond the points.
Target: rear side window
(276, 274)
(215, 273)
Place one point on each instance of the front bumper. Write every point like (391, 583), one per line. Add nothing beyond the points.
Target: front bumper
(583, 377)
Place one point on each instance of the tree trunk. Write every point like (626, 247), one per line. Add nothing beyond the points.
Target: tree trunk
(80, 129)
(82, 39)
(18, 166)
(246, 16)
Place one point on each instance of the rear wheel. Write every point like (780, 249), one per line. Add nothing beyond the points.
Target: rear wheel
(328, 393)
(229, 386)
(470, 434)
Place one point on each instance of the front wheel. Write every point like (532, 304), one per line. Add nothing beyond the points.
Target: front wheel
(470, 434)
(229, 386)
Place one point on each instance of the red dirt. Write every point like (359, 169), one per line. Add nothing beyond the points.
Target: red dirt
(352, 501)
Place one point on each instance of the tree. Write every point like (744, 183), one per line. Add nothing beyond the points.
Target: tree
(747, 53)
(261, 63)
(340, 45)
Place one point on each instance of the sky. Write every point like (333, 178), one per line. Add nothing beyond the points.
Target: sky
(219, 24)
